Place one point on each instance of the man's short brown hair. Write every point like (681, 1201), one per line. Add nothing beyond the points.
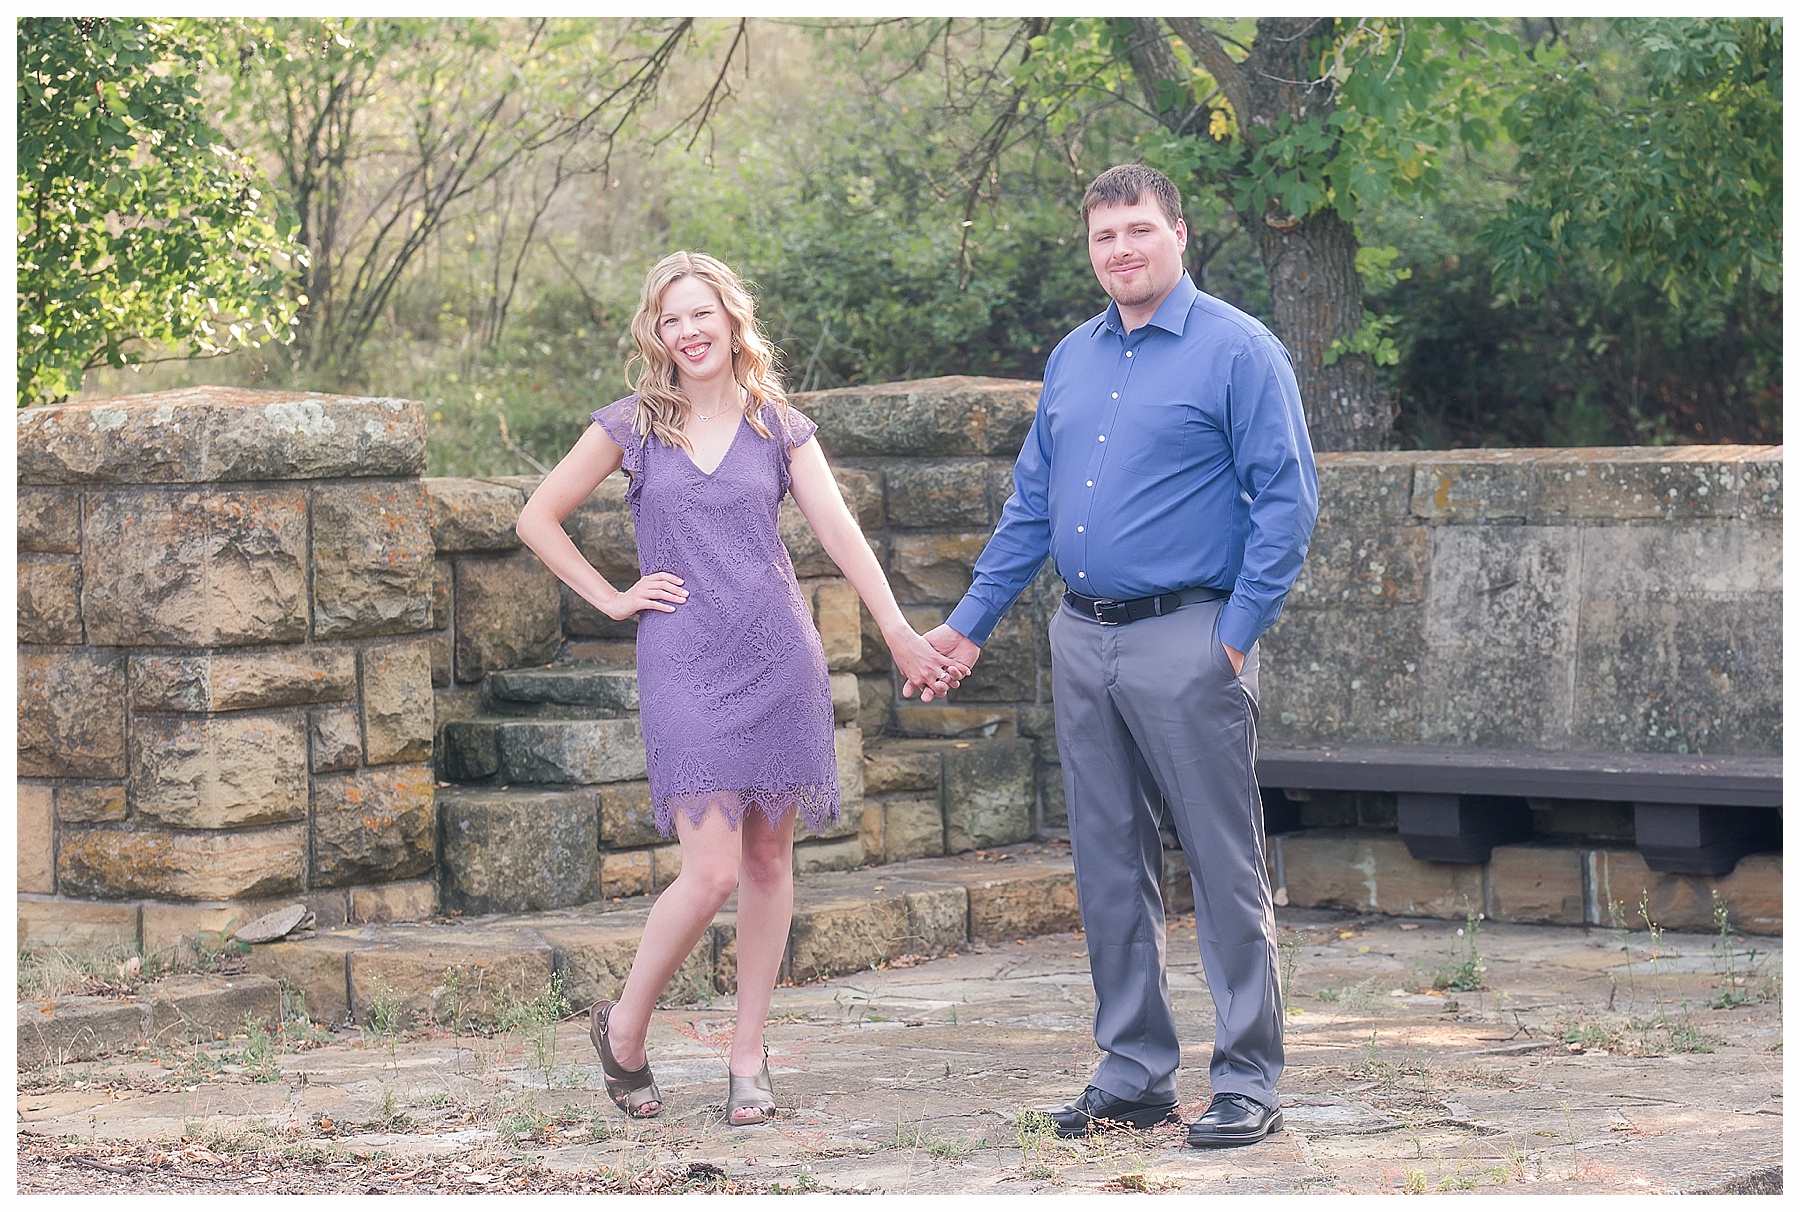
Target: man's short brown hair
(1126, 185)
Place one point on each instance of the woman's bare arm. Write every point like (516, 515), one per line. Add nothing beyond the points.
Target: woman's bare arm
(540, 526)
(816, 492)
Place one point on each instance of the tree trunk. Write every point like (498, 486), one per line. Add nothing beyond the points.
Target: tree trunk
(1310, 261)
(1318, 299)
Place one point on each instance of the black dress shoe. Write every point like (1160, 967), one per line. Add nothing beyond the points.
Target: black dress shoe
(1096, 1110)
(1233, 1119)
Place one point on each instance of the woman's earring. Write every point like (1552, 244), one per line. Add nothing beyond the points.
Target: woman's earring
(735, 347)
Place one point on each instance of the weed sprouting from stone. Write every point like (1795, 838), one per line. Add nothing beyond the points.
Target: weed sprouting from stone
(58, 971)
(1621, 930)
(1512, 1170)
(1416, 1182)
(859, 1007)
(1725, 955)
(383, 1011)
(258, 1055)
(520, 1124)
(1464, 970)
(1032, 1130)
(939, 1146)
(1569, 1123)
(915, 1137)
(1360, 998)
(1593, 1034)
(1287, 944)
(1682, 1034)
(390, 1115)
(537, 1019)
(451, 1004)
(1735, 981)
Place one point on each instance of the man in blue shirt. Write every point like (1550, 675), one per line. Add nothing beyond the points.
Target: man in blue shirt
(1169, 476)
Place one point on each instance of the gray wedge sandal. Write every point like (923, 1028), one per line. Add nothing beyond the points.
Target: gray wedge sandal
(755, 1094)
(630, 1089)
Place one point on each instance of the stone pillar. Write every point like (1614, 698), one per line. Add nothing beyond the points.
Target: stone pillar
(224, 671)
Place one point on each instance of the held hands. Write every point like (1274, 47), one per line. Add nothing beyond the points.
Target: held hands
(658, 591)
(942, 648)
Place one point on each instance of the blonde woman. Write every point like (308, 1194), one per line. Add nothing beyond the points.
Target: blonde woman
(732, 684)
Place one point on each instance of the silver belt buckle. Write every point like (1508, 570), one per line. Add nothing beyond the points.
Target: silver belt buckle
(1100, 604)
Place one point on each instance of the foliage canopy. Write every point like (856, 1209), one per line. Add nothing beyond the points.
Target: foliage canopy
(1669, 175)
(139, 226)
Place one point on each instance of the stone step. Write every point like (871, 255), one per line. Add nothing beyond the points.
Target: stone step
(540, 751)
(518, 849)
(572, 691)
(175, 1010)
(609, 654)
(843, 922)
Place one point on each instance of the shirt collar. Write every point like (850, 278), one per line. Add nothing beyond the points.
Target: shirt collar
(1171, 316)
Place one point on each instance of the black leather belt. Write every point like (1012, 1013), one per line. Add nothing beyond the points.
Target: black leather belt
(1112, 612)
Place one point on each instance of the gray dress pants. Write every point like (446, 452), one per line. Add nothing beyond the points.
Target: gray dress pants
(1153, 725)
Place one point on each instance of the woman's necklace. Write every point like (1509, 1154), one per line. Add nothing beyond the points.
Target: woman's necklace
(721, 412)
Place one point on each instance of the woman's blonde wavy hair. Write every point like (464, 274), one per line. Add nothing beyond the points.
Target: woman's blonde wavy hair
(661, 403)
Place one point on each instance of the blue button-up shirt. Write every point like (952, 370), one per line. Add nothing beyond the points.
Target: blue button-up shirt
(1169, 457)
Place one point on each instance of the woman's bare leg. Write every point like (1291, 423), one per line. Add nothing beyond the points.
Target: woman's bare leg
(765, 909)
(710, 853)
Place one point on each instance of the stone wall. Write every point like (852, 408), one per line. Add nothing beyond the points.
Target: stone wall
(224, 677)
(1586, 599)
(245, 621)
(1606, 599)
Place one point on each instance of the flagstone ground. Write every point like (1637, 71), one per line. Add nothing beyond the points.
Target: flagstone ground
(1587, 1061)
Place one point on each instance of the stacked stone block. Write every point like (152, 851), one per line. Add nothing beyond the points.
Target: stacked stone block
(1608, 599)
(224, 681)
(1564, 883)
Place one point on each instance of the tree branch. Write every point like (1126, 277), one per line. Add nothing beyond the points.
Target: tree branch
(1205, 47)
(721, 85)
(1154, 63)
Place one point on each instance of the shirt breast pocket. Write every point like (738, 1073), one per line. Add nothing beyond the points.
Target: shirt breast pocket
(1159, 437)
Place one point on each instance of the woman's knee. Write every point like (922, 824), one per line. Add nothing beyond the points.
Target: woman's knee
(712, 879)
(768, 863)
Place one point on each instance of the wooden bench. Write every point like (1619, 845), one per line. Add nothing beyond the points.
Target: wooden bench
(1696, 815)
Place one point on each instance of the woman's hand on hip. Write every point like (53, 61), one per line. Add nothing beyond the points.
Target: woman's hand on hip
(659, 591)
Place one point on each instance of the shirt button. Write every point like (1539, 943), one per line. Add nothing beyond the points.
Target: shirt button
(1081, 574)
(1090, 483)
(1103, 437)
(1081, 530)
(1115, 395)
(1128, 353)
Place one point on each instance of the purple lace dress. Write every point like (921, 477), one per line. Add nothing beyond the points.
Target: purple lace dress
(732, 687)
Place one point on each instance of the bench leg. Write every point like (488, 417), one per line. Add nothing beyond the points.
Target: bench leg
(1460, 828)
(1701, 839)
(1280, 814)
